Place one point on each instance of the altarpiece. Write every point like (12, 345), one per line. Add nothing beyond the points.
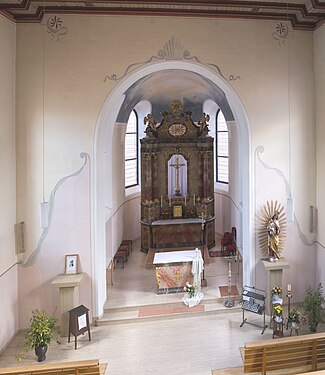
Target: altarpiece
(177, 184)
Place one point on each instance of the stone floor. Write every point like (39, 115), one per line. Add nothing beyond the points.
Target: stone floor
(179, 344)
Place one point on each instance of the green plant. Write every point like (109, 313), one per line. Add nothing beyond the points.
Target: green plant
(41, 331)
(189, 289)
(294, 316)
(312, 305)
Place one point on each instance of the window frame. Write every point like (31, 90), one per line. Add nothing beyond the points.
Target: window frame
(136, 133)
(217, 150)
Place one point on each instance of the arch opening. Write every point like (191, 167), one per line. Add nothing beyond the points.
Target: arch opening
(117, 105)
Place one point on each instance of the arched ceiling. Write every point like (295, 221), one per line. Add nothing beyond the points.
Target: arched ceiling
(161, 88)
(302, 14)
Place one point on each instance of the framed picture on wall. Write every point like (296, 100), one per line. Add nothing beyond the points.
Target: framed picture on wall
(71, 264)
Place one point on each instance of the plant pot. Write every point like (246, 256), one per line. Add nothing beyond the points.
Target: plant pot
(278, 319)
(40, 352)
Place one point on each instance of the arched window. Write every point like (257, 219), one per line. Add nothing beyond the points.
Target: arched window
(222, 149)
(131, 151)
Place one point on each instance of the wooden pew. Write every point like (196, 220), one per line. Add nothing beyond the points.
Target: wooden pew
(88, 367)
(285, 353)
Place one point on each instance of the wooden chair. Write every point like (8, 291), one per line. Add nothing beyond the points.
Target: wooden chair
(228, 243)
(120, 256)
(127, 242)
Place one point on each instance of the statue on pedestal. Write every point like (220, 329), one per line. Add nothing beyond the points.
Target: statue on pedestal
(272, 230)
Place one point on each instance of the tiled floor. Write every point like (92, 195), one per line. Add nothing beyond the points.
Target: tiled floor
(136, 284)
(193, 345)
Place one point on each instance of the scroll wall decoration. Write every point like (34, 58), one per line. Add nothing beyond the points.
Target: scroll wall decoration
(33, 257)
(172, 50)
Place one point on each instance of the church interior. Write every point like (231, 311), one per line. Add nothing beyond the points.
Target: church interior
(161, 168)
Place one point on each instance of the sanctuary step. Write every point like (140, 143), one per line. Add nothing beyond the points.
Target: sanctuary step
(134, 314)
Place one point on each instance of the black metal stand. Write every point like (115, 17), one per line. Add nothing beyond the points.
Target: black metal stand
(289, 296)
(254, 301)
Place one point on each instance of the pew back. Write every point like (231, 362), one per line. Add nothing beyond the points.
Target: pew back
(88, 367)
(285, 353)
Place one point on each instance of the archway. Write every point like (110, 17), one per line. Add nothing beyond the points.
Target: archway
(101, 207)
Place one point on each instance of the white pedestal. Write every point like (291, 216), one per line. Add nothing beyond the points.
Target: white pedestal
(274, 272)
(69, 297)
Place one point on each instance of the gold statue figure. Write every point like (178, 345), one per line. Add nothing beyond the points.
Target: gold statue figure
(150, 121)
(272, 230)
(203, 122)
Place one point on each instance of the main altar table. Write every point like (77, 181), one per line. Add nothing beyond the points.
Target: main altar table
(173, 270)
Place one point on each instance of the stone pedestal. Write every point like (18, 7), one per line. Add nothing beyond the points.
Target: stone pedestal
(274, 272)
(69, 297)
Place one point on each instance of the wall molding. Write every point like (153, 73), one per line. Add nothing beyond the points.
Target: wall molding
(35, 254)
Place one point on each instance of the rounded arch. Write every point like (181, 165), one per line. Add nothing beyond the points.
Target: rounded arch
(102, 171)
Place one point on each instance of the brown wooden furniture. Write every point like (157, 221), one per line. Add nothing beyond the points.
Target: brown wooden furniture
(88, 367)
(228, 243)
(120, 256)
(177, 184)
(127, 242)
(78, 323)
(285, 353)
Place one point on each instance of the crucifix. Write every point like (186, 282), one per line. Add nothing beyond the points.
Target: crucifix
(177, 166)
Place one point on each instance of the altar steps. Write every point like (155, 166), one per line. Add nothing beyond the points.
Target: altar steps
(137, 314)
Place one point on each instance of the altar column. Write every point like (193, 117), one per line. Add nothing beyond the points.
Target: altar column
(274, 272)
(147, 171)
(206, 177)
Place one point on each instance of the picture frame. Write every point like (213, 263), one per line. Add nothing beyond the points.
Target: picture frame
(71, 264)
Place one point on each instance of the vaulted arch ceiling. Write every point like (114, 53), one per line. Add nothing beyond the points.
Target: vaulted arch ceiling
(302, 14)
(161, 88)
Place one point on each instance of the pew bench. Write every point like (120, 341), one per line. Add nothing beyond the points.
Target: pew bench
(285, 353)
(88, 367)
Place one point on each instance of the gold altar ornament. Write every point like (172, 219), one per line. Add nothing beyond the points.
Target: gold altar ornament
(272, 230)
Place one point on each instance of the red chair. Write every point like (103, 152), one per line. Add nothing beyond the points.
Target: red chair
(228, 243)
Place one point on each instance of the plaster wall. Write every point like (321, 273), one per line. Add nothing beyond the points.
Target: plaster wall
(319, 46)
(69, 233)
(132, 217)
(8, 268)
(76, 64)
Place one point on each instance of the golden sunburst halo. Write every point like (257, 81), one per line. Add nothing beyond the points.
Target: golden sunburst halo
(267, 212)
(176, 107)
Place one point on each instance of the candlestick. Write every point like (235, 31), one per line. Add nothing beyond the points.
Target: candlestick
(161, 201)
(289, 288)
(194, 199)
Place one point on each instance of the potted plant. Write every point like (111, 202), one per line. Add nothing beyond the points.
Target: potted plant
(294, 317)
(40, 334)
(312, 305)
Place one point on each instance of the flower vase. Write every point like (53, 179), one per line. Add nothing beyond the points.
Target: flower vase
(40, 352)
(278, 319)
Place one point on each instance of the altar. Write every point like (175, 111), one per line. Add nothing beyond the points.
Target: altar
(173, 270)
(177, 185)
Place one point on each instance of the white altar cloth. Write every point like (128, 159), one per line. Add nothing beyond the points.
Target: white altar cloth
(174, 257)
